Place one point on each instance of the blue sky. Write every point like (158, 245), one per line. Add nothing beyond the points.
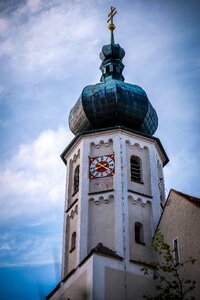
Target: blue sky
(48, 53)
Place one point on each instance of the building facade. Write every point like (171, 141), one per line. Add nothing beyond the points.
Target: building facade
(180, 223)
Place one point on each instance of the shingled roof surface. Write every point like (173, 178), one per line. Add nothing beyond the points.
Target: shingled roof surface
(100, 248)
(190, 198)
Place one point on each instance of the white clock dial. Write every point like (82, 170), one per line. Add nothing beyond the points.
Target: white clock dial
(102, 166)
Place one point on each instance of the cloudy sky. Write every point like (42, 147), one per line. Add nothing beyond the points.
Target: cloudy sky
(48, 52)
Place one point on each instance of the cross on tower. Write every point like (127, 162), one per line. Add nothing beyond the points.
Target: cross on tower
(112, 13)
(111, 26)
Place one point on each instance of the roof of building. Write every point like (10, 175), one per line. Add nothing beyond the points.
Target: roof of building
(113, 102)
(99, 249)
(194, 200)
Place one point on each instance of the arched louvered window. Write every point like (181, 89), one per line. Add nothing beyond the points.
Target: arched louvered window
(139, 233)
(136, 169)
(76, 179)
(73, 241)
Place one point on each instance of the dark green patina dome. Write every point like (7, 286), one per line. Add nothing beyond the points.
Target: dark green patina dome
(113, 102)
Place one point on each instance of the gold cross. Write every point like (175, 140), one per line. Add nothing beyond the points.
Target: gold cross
(112, 13)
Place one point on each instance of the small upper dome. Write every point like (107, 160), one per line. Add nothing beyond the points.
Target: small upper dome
(112, 66)
(113, 102)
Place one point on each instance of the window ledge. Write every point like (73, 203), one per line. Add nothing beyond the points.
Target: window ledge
(141, 182)
(145, 195)
(71, 205)
(70, 251)
(140, 243)
(101, 192)
(74, 193)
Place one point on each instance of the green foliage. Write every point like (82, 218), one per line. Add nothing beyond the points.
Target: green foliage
(170, 285)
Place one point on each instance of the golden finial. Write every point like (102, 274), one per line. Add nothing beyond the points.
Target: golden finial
(111, 26)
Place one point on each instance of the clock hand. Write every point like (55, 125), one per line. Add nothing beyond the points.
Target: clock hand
(103, 166)
(97, 167)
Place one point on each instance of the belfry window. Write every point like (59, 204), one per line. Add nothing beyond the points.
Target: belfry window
(76, 179)
(107, 69)
(176, 252)
(73, 241)
(139, 233)
(135, 169)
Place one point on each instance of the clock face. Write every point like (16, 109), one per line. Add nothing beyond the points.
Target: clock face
(102, 166)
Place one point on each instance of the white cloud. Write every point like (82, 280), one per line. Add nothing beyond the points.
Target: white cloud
(34, 176)
(49, 39)
(4, 25)
(31, 250)
(6, 246)
(32, 196)
(2, 89)
(33, 5)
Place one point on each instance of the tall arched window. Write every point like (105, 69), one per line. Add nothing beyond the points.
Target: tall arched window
(139, 233)
(73, 241)
(136, 169)
(76, 179)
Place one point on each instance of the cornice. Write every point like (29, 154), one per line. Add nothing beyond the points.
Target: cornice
(115, 129)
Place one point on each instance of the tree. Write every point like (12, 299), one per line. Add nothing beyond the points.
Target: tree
(169, 278)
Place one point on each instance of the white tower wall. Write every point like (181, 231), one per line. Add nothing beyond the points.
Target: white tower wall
(105, 210)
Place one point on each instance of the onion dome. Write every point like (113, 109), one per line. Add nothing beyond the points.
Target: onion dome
(113, 102)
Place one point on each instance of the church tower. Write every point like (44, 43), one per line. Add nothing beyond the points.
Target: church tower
(114, 187)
